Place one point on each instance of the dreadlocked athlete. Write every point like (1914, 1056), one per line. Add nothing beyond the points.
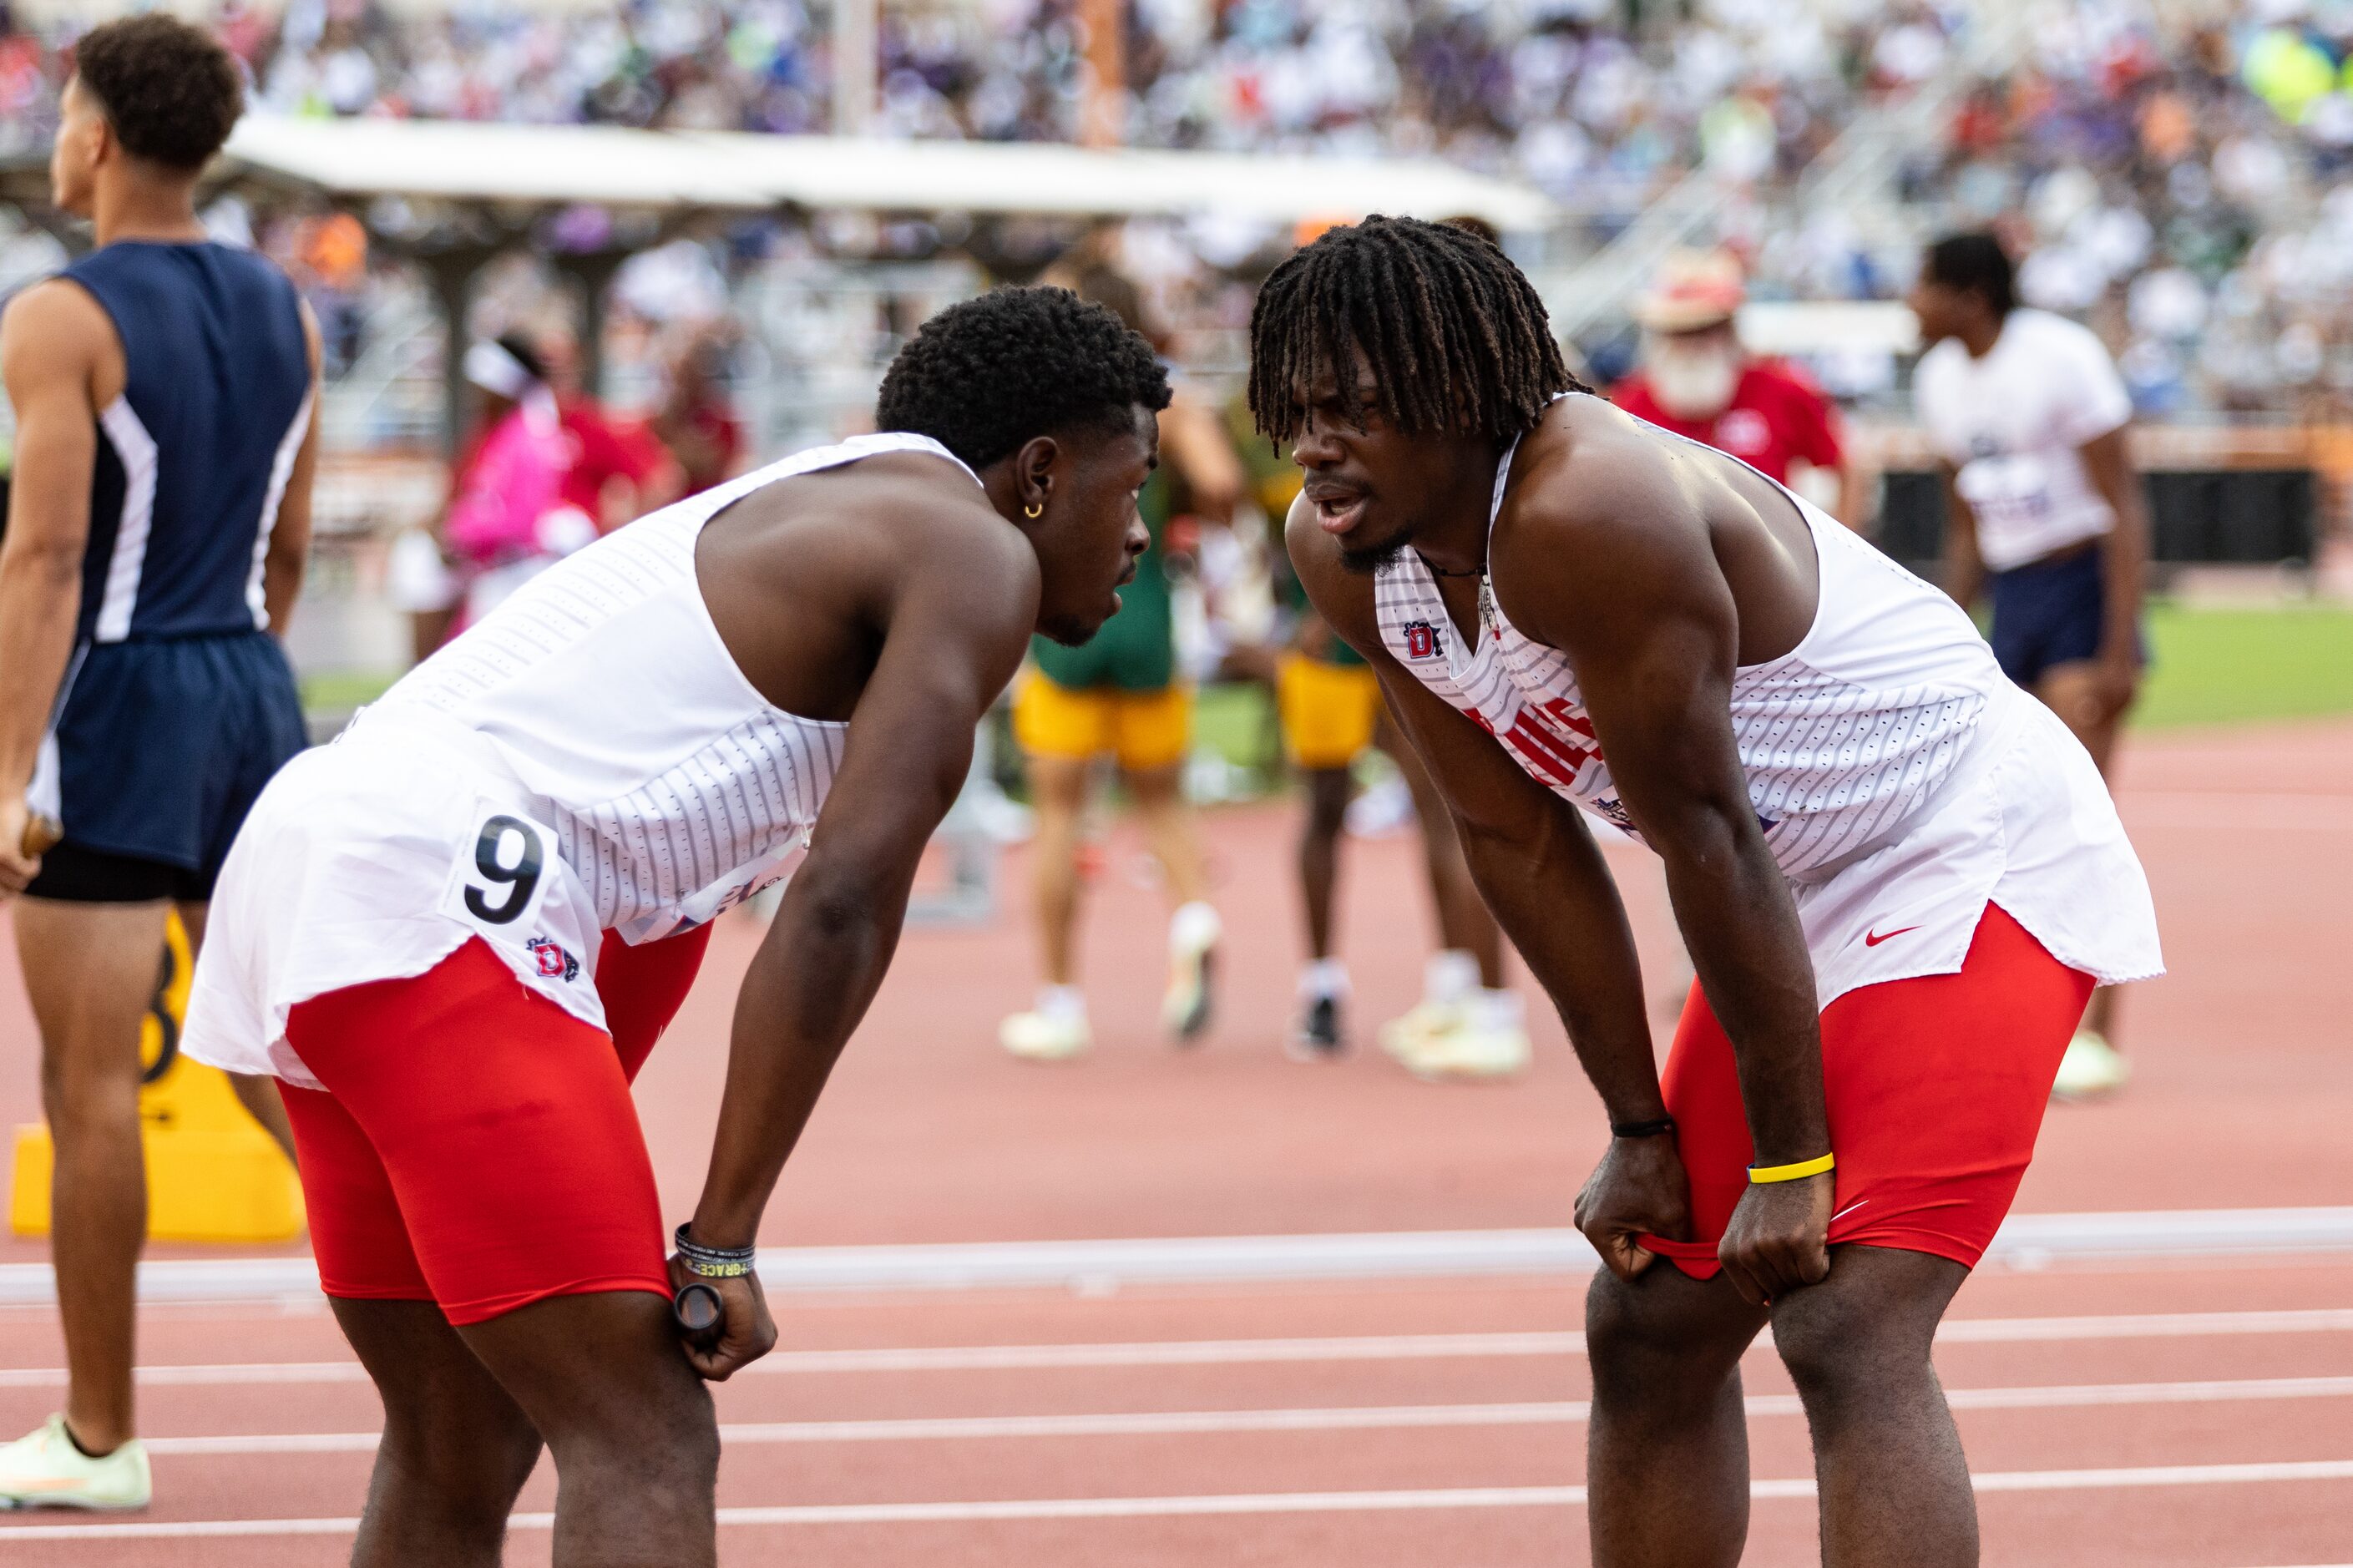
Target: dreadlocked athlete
(1898, 876)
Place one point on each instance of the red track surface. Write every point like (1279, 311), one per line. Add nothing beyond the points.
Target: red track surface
(2243, 1094)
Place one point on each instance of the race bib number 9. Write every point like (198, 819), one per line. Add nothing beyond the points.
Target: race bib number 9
(502, 872)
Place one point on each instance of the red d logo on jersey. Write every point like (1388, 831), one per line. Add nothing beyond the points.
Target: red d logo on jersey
(1421, 639)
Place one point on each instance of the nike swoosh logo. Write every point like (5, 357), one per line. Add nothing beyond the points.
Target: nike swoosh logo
(1873, 938)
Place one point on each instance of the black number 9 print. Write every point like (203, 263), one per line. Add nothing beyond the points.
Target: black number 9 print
(521, 878)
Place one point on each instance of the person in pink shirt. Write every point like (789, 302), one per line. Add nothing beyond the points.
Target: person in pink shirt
(509, 519)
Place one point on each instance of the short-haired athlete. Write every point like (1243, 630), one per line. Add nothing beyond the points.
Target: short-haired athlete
(1898, 876)
(164, 390)
(455, 933)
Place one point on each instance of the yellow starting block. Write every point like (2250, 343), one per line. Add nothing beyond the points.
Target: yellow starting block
(213, 1174)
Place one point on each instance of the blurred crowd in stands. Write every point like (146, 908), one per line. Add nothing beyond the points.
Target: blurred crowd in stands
(2175, 174)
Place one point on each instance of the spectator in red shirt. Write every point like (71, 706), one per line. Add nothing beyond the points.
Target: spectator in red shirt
(1697, 380)
(695, 421)
(618, 472)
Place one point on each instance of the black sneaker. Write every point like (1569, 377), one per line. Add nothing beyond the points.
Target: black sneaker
(1320, 1037)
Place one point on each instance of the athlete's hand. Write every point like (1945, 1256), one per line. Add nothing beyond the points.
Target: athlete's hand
(1638, 1189)
(16, 867)
(2116, 680)
(1778, 1239)
(745, 1333)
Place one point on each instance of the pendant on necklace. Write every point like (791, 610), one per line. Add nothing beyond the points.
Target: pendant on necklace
(1487, 606)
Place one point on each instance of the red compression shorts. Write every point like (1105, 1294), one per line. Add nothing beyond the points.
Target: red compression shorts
(476, 1146)
(1936, 1088)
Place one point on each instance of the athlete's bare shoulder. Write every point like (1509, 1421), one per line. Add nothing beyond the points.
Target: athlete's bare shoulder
(806, 577)
(1591, 476)
(1610, 521)
(57, 332)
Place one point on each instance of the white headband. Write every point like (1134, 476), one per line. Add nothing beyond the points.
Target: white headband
(494, 370)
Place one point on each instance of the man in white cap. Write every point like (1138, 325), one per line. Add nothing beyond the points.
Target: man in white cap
(1697, 380)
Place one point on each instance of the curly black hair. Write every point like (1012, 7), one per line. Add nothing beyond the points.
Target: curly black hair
(1456, 336)
(170, 89)
(984, 376)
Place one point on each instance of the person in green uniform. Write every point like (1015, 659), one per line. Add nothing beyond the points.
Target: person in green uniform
(1467, 1024)
(1120, 696)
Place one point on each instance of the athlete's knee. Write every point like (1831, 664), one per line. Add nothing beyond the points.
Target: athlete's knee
(1657, 1344)
(665, 1449)
(467, 1465)
(1848, 1340)
(85, 1096)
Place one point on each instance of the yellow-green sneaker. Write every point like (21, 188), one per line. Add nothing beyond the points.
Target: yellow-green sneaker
(1407, 1036)
(44, 1468)
(2091, 1068)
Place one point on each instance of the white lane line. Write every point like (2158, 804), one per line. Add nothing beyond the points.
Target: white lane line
(1240, 1352)
(2142, 1326)
(1345, 1419)
(2027, 1239)
(1230, 1503)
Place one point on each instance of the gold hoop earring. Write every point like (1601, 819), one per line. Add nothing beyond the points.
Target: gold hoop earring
(1035, 511)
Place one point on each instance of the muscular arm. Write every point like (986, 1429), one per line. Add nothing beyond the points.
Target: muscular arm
(290, 534)
(1193, 440)
(1964, 568)
(1537, 866)
(954, 627)
(55, 341)
(2108, 462)
(1618, 571)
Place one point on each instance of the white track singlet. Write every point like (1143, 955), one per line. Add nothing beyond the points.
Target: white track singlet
(586, 759)
(1901, 780)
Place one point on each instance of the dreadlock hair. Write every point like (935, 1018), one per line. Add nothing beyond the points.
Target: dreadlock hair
(1456, 337)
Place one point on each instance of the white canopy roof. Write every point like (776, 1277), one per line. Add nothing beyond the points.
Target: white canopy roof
(495, 162)
(466, 159)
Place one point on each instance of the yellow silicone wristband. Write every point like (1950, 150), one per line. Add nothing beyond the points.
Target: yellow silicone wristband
(1761, 1174)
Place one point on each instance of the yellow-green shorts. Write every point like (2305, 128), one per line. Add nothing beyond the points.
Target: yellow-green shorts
(1144, 731)
(1328, 710)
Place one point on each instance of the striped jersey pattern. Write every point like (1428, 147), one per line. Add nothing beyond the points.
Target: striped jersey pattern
(736, 797)
(1841, 739)
(1832, 764)
(672, 785)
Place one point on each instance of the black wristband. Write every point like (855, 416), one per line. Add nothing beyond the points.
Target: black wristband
(1657, 1127)
(712, 1262)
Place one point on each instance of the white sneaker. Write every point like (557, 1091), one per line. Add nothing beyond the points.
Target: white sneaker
(1407, 1036)
(2091, 1067)
(43, 1469)
(1193, 933)
(1471, 1052)
(1045, 1038)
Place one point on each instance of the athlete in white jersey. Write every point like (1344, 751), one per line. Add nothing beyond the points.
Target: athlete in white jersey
(455, 933)
(1897, 876)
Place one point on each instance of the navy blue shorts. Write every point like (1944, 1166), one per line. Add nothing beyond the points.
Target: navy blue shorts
(160, 749)
(2049, 613)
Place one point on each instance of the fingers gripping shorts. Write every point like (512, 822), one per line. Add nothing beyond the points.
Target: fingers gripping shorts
(476, 1146)
(1936, 1088)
